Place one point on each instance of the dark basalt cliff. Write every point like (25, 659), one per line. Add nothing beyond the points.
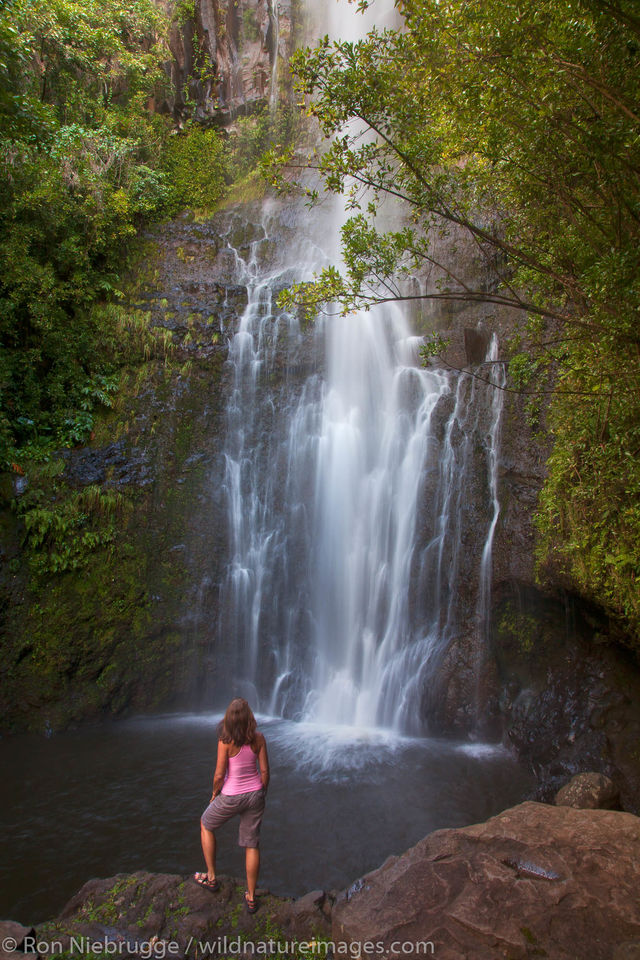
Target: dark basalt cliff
(134, 627)
(228, 57)
(545, 674)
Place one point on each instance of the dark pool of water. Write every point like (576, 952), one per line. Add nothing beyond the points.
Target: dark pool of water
(128, 797)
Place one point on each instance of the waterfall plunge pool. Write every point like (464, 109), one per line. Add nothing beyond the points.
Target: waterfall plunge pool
(128, 796)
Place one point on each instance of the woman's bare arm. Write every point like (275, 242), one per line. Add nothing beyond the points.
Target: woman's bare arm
(221, 768)
(263, 761)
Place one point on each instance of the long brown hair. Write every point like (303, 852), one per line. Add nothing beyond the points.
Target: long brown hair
(239, 724)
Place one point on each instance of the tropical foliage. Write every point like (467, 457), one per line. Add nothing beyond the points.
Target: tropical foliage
(77, 156)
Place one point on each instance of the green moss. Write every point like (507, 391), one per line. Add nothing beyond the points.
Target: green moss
(519, 629)
(108, 911)
(88, 637)
(250, 188)
(266, 929)
(250, 26)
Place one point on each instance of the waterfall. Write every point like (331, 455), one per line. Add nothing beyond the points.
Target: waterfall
(361, 492)
(497, 377)
(376, 413)
(274, 19)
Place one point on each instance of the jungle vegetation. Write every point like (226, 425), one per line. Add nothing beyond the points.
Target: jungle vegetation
(86, 161)
(78, 173)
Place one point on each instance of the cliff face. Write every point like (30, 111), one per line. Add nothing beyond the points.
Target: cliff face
(228, 57)
(123, 630)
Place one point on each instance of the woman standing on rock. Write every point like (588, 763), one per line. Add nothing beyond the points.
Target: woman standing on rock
(239, 788)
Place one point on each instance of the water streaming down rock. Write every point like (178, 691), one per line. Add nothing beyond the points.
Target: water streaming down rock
(351, 492)
(274, 27)
(497, 376)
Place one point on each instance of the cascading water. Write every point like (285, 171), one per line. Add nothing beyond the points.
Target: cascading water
(349, 498)
(498, 379)
(274, 23)
(377, 408)
(347, 491)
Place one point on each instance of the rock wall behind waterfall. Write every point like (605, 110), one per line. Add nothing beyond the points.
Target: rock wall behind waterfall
(540, 671)
(227, 56)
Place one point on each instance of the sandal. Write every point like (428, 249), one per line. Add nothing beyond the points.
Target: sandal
(251, 905)
(202, 879)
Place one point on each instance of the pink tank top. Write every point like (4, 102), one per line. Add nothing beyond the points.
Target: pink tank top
(242, 773)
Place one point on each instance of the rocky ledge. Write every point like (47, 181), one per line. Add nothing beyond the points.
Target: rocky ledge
(535, 881)
(151, 916)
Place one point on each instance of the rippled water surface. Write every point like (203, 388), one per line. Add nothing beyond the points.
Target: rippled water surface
(128, 797)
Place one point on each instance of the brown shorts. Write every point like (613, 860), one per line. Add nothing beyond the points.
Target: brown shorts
(248, 806)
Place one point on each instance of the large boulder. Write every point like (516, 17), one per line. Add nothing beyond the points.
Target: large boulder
(536, 880)
(589, 791)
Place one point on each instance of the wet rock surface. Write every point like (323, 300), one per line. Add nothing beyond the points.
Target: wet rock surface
(158, 450)
(465, 694)
(567, 705)
(545, 675)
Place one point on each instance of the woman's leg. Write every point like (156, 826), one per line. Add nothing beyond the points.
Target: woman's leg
(208, 841)
(252, 862)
